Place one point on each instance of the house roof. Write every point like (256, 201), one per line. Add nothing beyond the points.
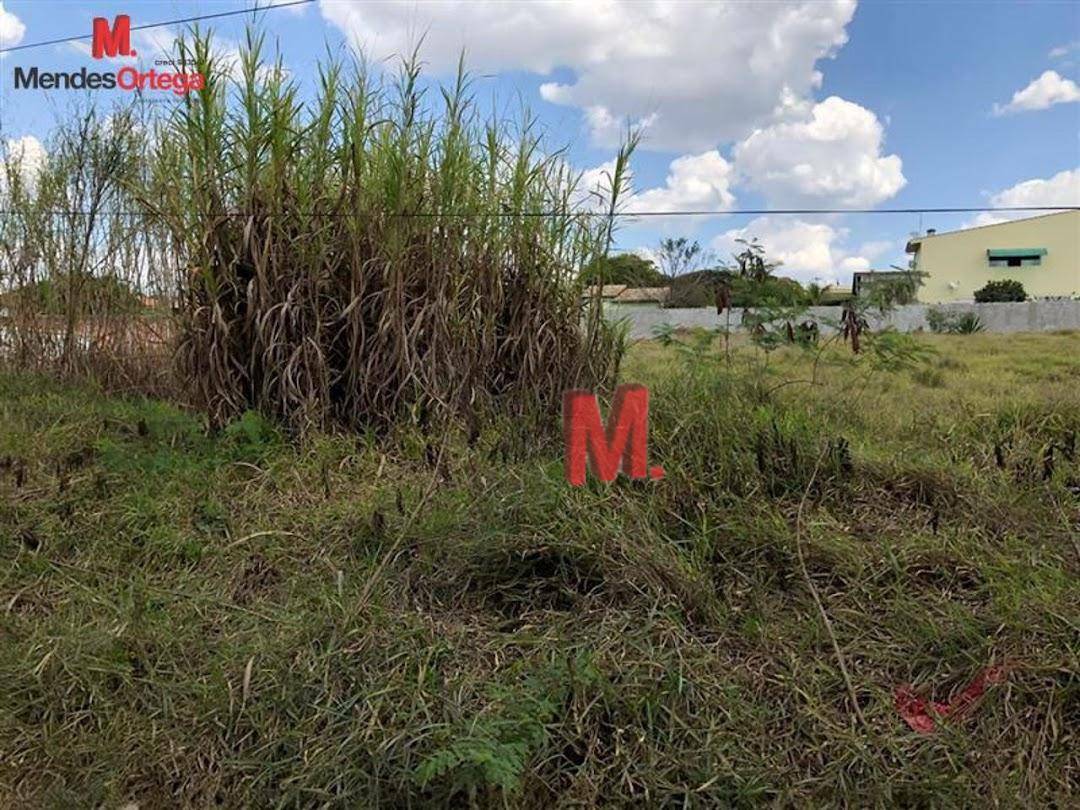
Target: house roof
(637, 295)
(914, 241)
(629, 295)
(607, 291)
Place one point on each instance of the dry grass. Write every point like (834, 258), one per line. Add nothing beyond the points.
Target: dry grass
(374, 256)
(383, 253)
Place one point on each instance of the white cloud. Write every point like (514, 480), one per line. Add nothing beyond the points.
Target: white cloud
(699, 74)
(594, 186)
(1061, 189)
(1046, 91)
(809, 251)
(693, 183)
(28, 154)
(12, 29)
(1064, 50)
(833, 156)
(875, 250)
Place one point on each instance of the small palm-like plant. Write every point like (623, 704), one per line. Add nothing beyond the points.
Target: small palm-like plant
(967, 324)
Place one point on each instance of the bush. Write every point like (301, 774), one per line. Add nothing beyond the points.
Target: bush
(942, 322)
(698, 289)
(370, 256)
(1004, 290)
(887, 290)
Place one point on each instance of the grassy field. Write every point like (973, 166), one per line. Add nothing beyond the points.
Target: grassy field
(196, 619)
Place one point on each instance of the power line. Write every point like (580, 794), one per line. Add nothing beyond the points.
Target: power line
(599, 214)
(235, 12)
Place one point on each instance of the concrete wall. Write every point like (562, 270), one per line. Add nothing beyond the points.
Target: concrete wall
(957, 263)
(1031, 316)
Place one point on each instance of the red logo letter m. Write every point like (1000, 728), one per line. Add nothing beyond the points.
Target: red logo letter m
(112, 41)
(622, 445)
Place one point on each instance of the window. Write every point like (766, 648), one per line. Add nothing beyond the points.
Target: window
(1016, 257)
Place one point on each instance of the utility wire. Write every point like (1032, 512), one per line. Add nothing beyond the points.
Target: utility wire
(235, 12)
(602, 214)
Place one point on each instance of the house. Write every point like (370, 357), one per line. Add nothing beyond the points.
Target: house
(608, 292)
(1042, 253)
(623, 295)
(835, 294)
(863, 280)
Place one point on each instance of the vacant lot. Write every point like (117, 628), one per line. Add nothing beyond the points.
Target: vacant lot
(190, 618)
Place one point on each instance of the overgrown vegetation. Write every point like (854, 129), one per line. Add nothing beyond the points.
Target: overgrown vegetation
(75, 261)
(372, 256)
(191, 618)
(229, 605)
(375, 255)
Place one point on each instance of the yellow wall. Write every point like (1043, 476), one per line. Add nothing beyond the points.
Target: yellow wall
(960, 257)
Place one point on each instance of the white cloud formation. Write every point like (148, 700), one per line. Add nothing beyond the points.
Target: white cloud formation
(833, 156)
(1064, 50)
(28, 154)
(824, 154)
(693, 183)
(809, 251)
(12, 29)
(1049, 89)
(699, 74)
(1061, 189)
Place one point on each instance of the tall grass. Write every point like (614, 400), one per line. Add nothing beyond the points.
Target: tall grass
(373, 254)
(75, 266)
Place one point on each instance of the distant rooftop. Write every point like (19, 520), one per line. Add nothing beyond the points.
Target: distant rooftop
(931, 233)
(622, 294)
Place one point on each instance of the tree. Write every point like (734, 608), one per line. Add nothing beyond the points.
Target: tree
(679, 260)
(750, 262)
(677, 256)
(623, 268)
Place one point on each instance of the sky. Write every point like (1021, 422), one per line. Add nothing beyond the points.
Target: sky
(743, 105)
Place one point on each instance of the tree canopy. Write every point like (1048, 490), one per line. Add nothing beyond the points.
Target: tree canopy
(623, 268)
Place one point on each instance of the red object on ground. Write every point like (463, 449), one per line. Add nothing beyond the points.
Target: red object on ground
(920, 714)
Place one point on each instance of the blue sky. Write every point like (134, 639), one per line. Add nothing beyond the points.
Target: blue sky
(761, 105)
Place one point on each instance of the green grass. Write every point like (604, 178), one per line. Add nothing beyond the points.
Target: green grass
(190, 618)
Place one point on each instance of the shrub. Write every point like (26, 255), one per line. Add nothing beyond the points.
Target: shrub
(887, 290)
(967, 324)
(373, 255)
(942, 322)
(1004, 290)
(698, 289)
(695, 289)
